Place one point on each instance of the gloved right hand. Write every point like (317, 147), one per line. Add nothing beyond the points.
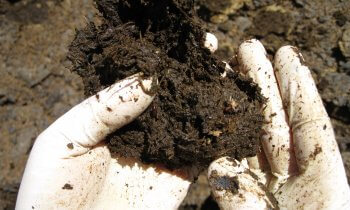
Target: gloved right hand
(300, 166)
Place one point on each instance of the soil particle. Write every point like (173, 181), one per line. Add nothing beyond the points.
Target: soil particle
(70, 146)
(67, 187)
(191, 120)
(229, 184)
(317, 151)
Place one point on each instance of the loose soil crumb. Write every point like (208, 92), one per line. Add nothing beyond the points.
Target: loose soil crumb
(230, 184)
(191, 120)
(67, 187)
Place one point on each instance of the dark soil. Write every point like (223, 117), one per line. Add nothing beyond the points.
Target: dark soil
(197, 115)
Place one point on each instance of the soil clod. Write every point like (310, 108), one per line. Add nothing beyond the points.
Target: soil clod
(192, 120)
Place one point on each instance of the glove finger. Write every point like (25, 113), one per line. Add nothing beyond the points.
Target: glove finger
(92, 120)
(315, 145)
(317, 155)
(235, 187)
(276, 141)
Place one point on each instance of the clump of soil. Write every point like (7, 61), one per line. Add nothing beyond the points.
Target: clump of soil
(197, 115)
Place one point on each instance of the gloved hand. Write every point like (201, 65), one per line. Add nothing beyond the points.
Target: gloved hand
(300, 166)
(70, 166)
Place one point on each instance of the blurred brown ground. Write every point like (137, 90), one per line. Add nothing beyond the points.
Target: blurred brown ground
(36, 87)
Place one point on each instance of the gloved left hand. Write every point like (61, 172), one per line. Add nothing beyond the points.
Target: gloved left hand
(70, 166)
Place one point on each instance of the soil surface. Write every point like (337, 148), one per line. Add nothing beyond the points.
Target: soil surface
(197, 115)
(36, 87)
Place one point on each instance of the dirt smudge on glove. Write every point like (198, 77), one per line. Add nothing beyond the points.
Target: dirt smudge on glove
(191, 120)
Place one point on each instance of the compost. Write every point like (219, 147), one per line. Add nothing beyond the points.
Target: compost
(197, 115)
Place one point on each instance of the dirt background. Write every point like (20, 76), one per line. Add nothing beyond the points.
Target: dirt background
(36, 87)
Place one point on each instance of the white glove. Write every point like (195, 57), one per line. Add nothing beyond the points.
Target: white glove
(300, 166)
(70, 167)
